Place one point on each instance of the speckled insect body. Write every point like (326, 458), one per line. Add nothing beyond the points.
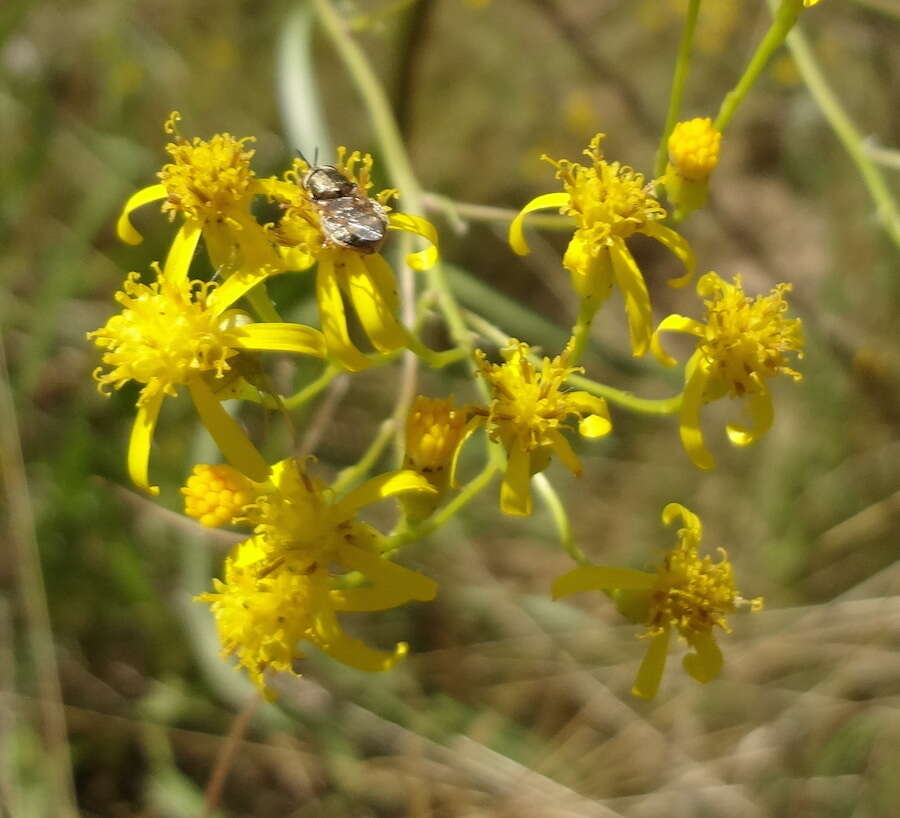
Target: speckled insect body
(347, 216)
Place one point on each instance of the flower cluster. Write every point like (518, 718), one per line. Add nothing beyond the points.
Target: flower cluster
(308, 557)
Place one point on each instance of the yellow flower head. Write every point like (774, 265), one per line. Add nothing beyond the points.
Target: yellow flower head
(311, 230)
(742, 344)
(206, 179)
(285, 584)
(177, 332)
(687, 593)
(528, 413)
(693, 155)
(169, 331)
(435, 432)
(609, 203)
(216, 495)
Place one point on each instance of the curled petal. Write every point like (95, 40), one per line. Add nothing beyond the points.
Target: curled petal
(597, 422)
(333, 319)
(296, 338)
(706, 662)
(600, 578)
(140, 441)
(403, 583)
(181, 253)
(515, 491)
(354, 653)
(679, 247)
(468, 430)
(691, 521)
(634, 291)
(649, 675)
(230, 438)
(689, 418)
(423, 259)
(378, 488)
(516, 235)
(124, 227)
(759, 405)
(673, 323)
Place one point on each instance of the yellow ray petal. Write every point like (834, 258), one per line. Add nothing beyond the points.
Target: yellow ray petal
(516, 235)
(515, 491)
(384, 279)
(471, 425)
(689, 520)
(423, 259)
(706, 663)
(296, 338)
(673, 323)
(600, 578)
(762, 412)
(230, 438)
(236, 286)
(564, 452)
(649, 675)
(679, 247)
(386, 333)
(140, 441)
(181, 253)
(403, 583)
(124, 227)
(634, 291)
(354, 653)
(378, 488)
(689, 419)
(333, 319)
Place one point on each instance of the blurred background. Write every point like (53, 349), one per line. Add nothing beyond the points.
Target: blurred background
(115, 702)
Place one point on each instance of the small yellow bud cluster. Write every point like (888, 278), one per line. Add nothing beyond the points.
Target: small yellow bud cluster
(215, 495)
(694, 148)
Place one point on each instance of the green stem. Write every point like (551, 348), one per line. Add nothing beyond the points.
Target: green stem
(313, 387)
(581, 330)
(358, 471)
(461, 212)
(645, 406)
(682, 66)
(843, 127)
(468, 493)
(782, 23)
(560, 517)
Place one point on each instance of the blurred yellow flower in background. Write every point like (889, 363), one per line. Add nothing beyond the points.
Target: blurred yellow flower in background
(687, 593)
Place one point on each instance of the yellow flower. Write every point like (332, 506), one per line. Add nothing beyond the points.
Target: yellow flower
(743, 343)
(210, 183)
(310, 232)
(435, 433)
(216, 495)
(176, 332)
(609, 202)
(694, 148)
(284, 585)
(688, 593)
(528, 413)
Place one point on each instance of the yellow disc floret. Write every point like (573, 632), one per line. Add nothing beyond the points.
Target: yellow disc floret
(694, 148)
(166, 334)
(207, 178)
(747, 340)
(215, 495)
(606, 199)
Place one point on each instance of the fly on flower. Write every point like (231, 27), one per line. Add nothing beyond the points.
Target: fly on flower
(347, 216)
